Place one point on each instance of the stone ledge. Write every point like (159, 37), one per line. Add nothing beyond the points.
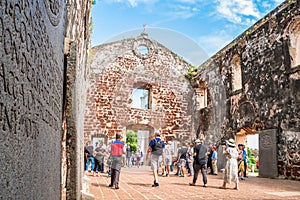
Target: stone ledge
(87, 196)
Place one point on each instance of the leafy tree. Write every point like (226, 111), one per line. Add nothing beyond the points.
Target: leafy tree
(251, 158)
(131, 139)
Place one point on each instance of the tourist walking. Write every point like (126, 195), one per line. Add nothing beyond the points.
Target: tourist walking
(190, 157)
(128, 155)
(139, 156)
(182, 161)
(156, 149)
(209, 161)
(245, 158)
(99, 154)
(117, 149)
(231, 169)
(168, 157)
(214, 159)
(240, 160)
(200, 153)
(88, 151)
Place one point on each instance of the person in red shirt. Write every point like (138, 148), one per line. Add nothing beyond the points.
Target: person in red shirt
(117, 149)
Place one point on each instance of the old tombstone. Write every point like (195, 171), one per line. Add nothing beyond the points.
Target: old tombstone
(268, 153)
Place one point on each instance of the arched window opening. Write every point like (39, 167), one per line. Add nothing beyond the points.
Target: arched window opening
(236, 74)
(201, 93)
(294, 46)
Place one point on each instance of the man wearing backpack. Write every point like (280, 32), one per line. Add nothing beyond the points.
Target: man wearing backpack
(156, 147)
(182, 160)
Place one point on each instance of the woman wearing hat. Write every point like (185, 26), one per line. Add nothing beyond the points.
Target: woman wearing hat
(231, 169)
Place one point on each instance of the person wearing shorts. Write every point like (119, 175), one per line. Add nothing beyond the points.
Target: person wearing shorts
(156, 149)
(168, 157)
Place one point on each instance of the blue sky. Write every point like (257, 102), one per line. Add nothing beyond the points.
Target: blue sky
(211, 24)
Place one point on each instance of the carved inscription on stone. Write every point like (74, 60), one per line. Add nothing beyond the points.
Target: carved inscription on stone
(54, 10)
(268, 153)
(265, 141)
(31, 79)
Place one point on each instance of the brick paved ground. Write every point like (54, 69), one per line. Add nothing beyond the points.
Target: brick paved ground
(136, 184)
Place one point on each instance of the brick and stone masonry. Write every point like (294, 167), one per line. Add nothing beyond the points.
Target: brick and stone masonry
(77, 48)
(119, 67)
(253, 87)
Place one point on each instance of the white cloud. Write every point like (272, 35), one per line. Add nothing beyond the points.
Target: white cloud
(237, 10)
(266, 4)
(133, 3)
(182, 11)
(214, 42)
(190, 1)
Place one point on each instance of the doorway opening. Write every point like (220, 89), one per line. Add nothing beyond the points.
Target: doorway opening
(138, 137)
(250, 138)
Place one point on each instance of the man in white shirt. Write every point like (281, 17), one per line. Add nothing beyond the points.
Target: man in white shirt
(168, 157)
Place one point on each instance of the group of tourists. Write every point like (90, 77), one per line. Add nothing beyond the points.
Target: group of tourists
(134, 159)
(190, 160)
(194, 158)
(95, 157)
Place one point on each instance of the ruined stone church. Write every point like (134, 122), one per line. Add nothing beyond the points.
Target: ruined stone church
(249, 87)
(138, 84)
(53, 100)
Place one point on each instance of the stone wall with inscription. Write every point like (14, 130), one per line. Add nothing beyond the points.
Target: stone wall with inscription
(269, 98)
(31, 91)
(120, 67)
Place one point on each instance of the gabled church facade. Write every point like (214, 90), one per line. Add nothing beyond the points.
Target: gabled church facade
(138, 84)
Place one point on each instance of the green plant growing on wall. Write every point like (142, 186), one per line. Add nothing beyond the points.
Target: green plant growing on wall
(131, 139)
(192, 72)
(292, 1)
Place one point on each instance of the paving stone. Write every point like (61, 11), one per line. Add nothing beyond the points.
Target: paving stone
(136, 183)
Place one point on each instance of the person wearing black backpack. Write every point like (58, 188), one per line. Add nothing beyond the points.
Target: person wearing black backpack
(182, 161)
(156, 148)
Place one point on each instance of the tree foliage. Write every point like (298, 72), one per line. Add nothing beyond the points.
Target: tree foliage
(131, 139)
(251, 158)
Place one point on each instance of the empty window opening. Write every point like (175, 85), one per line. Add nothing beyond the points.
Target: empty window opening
(294, 47)
(236, 74)
(141, 98)
(201, 94)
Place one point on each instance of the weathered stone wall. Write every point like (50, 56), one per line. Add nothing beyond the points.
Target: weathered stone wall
(31, 90)
(116, 69)
(77, 47)
(211, 118)
(270, 95)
